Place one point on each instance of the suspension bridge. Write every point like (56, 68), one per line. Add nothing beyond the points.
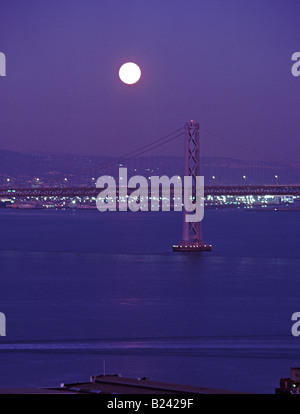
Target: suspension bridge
(242, 190)
(54, 189)
(192, 237)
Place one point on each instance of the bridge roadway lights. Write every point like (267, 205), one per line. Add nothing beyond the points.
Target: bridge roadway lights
(255, 190)
(191, 247)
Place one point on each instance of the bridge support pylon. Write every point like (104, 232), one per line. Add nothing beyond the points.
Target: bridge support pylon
(192, 232)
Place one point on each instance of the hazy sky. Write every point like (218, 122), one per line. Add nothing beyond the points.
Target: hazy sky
(226, 64)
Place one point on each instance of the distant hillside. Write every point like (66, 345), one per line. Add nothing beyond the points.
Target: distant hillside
(80, 169)
(16, 164)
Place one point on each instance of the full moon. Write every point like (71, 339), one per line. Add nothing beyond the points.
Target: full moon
(130, 73)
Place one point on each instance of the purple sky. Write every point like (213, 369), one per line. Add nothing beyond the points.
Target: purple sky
(226, 64)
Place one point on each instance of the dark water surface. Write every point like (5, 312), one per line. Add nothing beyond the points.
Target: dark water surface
(78, 287)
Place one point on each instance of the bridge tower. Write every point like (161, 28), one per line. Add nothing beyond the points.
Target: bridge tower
(191, 232)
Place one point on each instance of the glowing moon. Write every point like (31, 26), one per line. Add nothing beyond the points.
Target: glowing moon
(130, 73)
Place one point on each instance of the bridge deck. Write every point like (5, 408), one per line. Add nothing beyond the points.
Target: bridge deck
(276, 190)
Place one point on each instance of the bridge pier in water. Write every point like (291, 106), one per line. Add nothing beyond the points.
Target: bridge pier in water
(191, 232)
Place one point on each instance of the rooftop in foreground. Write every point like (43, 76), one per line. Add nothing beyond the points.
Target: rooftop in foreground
(115, 384)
